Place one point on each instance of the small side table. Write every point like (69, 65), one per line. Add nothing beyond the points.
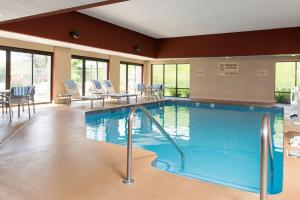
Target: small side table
(63, 99)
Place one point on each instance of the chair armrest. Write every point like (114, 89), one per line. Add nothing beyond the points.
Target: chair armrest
(64, 95)
(3, 95)
(126, 92)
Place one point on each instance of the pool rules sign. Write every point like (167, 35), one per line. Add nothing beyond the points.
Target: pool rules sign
(228, 69)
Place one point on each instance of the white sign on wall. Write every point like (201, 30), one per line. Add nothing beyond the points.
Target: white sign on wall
(228, 69)
(262, 73)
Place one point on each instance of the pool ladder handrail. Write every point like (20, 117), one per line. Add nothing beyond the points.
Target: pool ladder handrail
(157, 100)
(128, 179)
(266, 149)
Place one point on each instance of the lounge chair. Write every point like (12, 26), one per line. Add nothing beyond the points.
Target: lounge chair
(72, 90)
(110, 92)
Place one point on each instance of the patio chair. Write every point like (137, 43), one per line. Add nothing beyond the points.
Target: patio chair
(18, 96)
(72, 90)
(98, 88)
(31, 93)
(2, 102)
(110, 92)
(140, 88)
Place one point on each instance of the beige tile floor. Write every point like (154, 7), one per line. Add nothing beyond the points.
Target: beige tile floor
(51, 159)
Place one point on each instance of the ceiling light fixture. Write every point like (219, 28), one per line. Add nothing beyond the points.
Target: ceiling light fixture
(293, 55)
(137, 48)
(75, 34)
(226, 57)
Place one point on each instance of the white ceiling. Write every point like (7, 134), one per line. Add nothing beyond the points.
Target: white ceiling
(174, 18)
(13, 9)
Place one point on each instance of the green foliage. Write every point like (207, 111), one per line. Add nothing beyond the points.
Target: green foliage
(172, 92)
(186, 93)
(283, 97)
(76, 73)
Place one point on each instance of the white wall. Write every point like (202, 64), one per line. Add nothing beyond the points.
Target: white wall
(246, 87)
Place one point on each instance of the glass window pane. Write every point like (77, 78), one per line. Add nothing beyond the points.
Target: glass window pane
(21, 69)
(183, 76)
(139, 74)
(2, 69)
(170, 80)
(134, 77)
(131, 78)
(102, 71)
(157, 74)
(122, 77)
(90, 74)
(42, 77)
(285, 76)
(76, 73)
(298, 73)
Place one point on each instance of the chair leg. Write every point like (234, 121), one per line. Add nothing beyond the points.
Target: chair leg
(91, 103)
(10, 113)
(23, 107)
(19, 110)
(33, 105)
(28, 109)
(102, 102)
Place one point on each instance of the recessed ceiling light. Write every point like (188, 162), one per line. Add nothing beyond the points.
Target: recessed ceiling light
(226, 57)
(293, 55)
(1, 16)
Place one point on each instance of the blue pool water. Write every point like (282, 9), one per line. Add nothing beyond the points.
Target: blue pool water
(221, 143)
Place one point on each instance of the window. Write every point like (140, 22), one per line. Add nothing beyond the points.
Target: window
(286, 77)
(84, 69)
(130, 75)
(20, 67)
(76, 73)
(2, 69)
(175, 77)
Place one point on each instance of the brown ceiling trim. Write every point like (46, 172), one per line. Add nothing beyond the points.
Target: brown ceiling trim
(91, 5)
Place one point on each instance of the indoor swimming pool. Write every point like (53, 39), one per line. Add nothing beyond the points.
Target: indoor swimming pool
(221, 143)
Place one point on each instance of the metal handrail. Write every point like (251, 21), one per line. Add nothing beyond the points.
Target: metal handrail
(266, 149)
(128, 178)
(157, 100)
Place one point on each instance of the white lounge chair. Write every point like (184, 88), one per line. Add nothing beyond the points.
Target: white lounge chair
(110, 92)
(72, 90)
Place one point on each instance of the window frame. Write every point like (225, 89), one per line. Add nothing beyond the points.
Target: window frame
(9, 50)
(135, 64)
(84, 59)
(177, 88)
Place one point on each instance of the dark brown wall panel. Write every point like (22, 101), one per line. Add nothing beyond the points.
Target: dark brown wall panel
(266, 42)
(100, 34)
(93, 32)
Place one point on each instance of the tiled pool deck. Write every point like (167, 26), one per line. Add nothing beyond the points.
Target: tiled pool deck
(50, 158)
